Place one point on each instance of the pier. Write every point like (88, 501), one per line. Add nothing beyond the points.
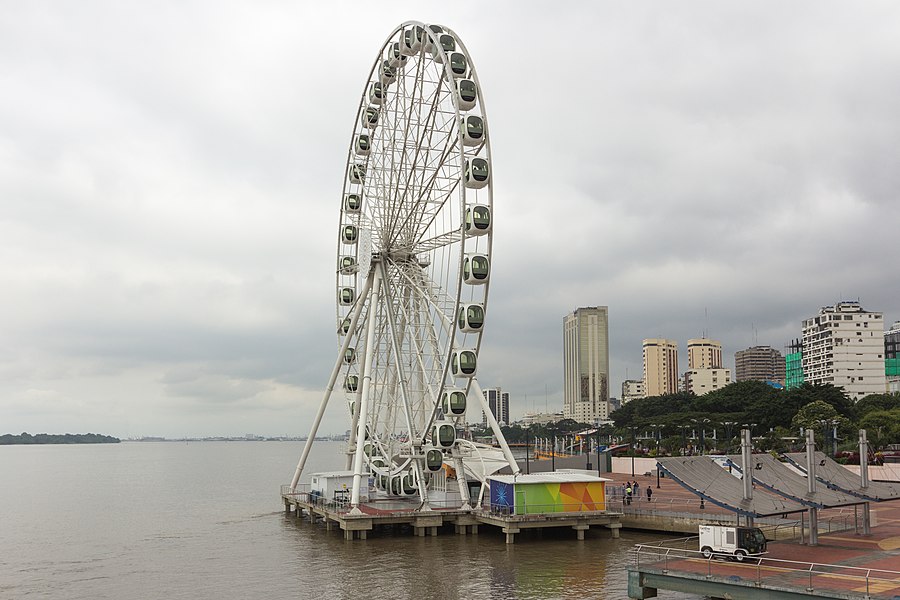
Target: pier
(336, 514)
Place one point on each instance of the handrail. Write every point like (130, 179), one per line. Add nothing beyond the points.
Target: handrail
(659, 553)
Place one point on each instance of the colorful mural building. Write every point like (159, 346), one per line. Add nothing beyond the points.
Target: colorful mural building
(540, 493)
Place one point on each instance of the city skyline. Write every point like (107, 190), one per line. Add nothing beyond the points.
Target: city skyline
(171, 188)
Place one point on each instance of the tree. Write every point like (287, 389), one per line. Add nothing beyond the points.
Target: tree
(874, 402)
(882, 427)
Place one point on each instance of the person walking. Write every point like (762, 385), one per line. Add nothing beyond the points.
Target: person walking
(628, 491)
(649, 493)
(636, 487)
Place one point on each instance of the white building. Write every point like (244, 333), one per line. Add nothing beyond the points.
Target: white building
(586, 364)
(632, 389)
(703, 381)
(844, 345)
(540, 418)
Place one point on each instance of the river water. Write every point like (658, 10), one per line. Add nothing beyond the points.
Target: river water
(204, 520)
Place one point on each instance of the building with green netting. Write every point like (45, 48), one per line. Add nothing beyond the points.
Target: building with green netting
(793, 365)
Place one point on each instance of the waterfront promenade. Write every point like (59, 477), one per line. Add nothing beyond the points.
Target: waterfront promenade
(844, 563)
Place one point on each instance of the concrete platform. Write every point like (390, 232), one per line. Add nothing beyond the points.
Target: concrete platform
(357, 525)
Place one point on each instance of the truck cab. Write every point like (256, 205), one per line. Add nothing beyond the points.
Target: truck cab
(736, 542)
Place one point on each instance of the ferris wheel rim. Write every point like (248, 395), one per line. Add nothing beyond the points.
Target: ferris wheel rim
(459, 202)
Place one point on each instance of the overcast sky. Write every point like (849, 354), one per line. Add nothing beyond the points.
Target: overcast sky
(170, 179)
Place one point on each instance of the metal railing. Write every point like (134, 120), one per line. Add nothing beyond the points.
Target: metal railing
(538, 511)
(669, 555)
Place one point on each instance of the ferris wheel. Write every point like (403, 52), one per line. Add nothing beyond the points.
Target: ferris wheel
(413, 265)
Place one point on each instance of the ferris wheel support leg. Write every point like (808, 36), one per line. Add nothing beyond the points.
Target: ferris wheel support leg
(461, 481)
(495, 427)
(363, 407)
(407, 409)
(334, 374)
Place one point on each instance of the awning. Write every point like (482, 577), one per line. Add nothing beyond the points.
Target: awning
(780, 479)
(702, 476)
(836, 477)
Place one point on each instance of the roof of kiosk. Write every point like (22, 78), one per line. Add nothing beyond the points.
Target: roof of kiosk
(553, 477)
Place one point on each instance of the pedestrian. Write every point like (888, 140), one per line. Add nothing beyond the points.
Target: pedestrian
(649, 493)
(637, 488)
(628, 491)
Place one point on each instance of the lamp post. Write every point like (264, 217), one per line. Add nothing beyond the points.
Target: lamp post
(633, 430)
(834, 436)
(702, 423)
(728, 425)
(658, 427)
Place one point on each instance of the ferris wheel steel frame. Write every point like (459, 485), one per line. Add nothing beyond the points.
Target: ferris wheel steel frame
(418, 152)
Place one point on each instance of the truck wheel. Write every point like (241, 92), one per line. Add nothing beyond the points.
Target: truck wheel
(707, 552)
(740, 555)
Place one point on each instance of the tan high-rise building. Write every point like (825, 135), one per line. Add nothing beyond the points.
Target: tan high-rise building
(586, 364)
(660, 367)
(704, 354)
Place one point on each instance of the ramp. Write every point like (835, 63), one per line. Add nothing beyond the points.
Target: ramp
(779, 479)
(702, 476)
(836, 477)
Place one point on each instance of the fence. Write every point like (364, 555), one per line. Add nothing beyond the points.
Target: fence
(669, 555)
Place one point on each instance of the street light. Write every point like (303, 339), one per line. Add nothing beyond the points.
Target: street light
(702, 423)
(633, 430)
(728, 425)
(658, 427)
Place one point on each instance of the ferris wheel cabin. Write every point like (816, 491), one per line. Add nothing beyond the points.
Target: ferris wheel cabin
(478, 219)
(477, 173)
(476, 269)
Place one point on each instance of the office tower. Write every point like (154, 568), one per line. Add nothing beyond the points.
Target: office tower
(586, 364)
(498, 402)
(704, 354)
(759, 363)
(844, 345)
(660, 367)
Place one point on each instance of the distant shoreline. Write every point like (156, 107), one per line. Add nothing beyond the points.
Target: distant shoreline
(26, 439)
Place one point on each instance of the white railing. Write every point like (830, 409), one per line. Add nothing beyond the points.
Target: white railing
(818, 575)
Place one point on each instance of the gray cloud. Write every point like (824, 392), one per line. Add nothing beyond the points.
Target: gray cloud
(170, 178)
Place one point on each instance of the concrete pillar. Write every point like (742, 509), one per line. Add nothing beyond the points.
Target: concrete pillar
(419, 531)
(867, 524)
(348, 534)
(579, 530)
(510, 538)
(474, 529)
(329, 525)
(434, 531)
(287, 506)
(614, 529)
(362, 534)
(813, 526)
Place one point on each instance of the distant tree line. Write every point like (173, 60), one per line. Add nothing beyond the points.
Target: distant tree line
(774, 416)
(52, 438)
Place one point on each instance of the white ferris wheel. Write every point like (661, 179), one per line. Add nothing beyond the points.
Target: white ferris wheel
(413, 266)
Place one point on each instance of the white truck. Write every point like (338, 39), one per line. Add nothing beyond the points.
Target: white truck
(737, 542)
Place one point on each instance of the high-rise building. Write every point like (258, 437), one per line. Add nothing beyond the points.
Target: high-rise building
(844, 345)
(892, 358)
(793, 365)
(586, 364)
(660, 367)
(498, 402)
(759, 363)
(704, 354)
(703, 381)
(632, 389)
